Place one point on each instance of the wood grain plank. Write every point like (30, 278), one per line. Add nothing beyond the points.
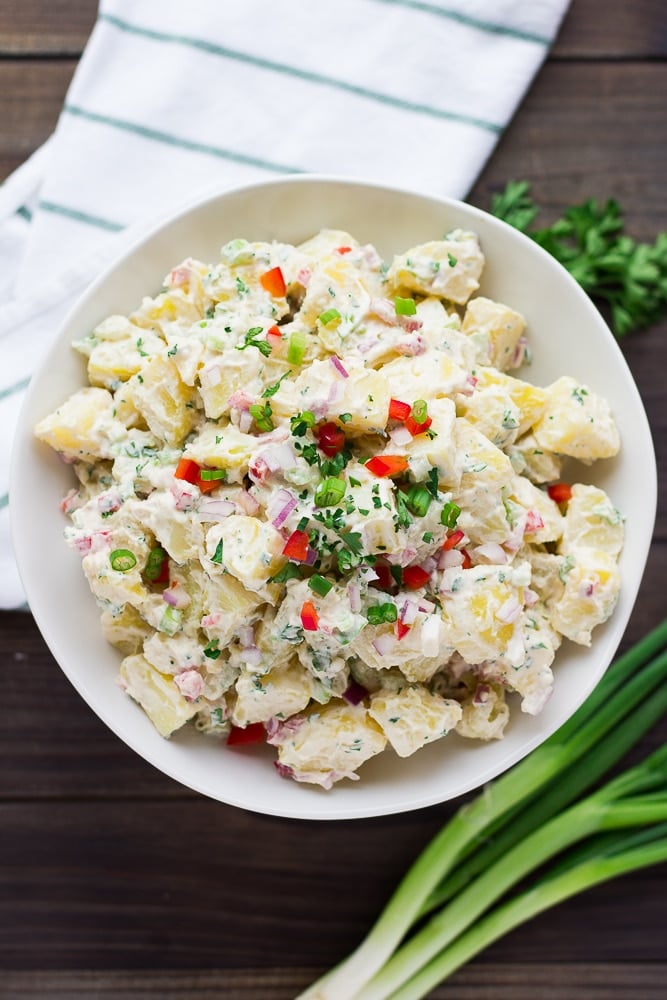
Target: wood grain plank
(619, 30)
(210, 886)
(31, 95)
(45, 27)
(482, 981)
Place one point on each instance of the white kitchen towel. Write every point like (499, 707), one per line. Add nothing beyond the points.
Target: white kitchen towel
(172, 98)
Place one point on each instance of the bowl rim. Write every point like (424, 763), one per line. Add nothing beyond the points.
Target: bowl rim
(614, 628)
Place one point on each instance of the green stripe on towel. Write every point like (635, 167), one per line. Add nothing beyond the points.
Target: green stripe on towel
(301, 74)
(490, 27)
(79, 216)
(17, 387)
(174, 140)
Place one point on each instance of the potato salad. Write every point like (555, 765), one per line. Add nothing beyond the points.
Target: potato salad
(317, 512)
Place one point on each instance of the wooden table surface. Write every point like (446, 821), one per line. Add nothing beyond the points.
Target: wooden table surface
(117, 882)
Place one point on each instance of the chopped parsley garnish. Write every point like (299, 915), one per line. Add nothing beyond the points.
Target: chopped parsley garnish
(431, 483)
(403, 518)
(217, 555)
(271, 390)
(211, 649)
(250, 340)
(301, 423)
(290, 571)
(427, 537)
(344, 417)
(452, 260)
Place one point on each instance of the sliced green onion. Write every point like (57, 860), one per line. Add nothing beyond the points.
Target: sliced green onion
(378, 614)
(344, 417)
(262, 414)
(418, 500)
(301, 423)
(208, 475)
(420, 411)
(122, 560)
(171, 620)
(450, 514)
(405, 307)
(329, 316)
(296, 347)
(329, 492)
(154, 563)
(320, 585)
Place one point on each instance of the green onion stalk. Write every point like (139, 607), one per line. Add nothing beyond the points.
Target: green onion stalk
(515, 826)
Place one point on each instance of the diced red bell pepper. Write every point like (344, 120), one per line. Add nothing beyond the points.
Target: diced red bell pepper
(385, 580)
(416, 428)
(273, 282)
(330, 439)
(274, 337)
(387, 465)
(453, 540)
(342, 250)
(467, 561)
(296, 546)
(398, 410)
(401, 630)
(188, 470)
(415, 577)
(309, 617)
(254, 733)
(560, 492)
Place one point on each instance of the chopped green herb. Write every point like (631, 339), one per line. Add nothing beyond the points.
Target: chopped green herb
(330, 492)
(432, 482)
(320, 585)
(344, 417)
(208, 475)
(211, 649)
(250, 340)
(452, 260)
(271, 390)
(122, 560)
(262, 414)
(301, 423)
(378, 614)
(217, 555)
(427, 537)
(405, 307)
(329, 316)
(450, 514)
(296, 347)
(290, 571)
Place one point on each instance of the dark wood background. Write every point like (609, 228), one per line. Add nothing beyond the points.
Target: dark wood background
(115, 882)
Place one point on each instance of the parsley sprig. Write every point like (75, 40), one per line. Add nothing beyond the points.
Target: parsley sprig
(589, 241)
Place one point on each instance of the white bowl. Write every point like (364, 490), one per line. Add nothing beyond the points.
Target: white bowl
(567, 336)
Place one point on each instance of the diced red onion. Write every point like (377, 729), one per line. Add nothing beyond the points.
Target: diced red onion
(430, 636)
(215, 510)
(245, 422)
(516, 649)
(354, 693)
(586, 589)
(284, 770)
(210, 621)
(100, 540)
(184, 494)
(429, 565)
(428, 607)
(248, 502)
(287, 502)
(246, 636)
(210, 376)
(190, 684)
(534, 521)
(400, 436)
(490, 552)
(509, 611)
(411, 346)
(335, 394)
(240, 400)
(83, 544)
(179, 276)
(338, 366)
(410, 323)
(175, 597)
(481, 695)
(530, 598)
(303, 276)
(408, 612)
(311, 556)
(384, 643)
(403, 558)
(354, 597)
(449, 558)
(278, 456)
(252, 655)
(384, 310)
